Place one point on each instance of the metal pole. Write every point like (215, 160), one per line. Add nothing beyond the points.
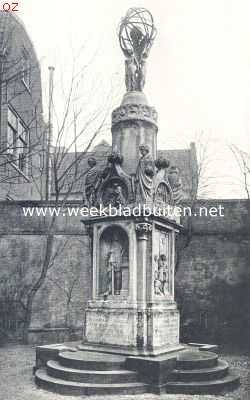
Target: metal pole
(49, 134)
(2, 57)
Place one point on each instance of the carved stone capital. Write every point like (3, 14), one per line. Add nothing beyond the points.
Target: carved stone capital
(143, 229)
(128, 112)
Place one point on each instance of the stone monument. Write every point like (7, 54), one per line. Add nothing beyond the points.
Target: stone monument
(132, 304)
(131, 329)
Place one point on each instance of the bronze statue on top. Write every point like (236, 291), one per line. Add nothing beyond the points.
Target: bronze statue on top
(136, 36)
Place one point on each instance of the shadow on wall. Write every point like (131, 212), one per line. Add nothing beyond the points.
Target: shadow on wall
(223, 319)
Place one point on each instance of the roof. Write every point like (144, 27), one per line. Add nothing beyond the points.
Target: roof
(9, 19)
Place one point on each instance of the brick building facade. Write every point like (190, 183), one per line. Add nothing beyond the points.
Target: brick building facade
(22, 127)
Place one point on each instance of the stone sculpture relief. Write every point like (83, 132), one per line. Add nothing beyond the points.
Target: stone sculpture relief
(114, 194)
(176, 184)
(153, 182)
(161, 275)
(111, 186)
(128, 112)
(144, 175)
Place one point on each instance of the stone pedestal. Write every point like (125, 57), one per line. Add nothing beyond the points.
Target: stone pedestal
(143, 315)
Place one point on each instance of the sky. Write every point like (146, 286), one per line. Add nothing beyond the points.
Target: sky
(198, 69)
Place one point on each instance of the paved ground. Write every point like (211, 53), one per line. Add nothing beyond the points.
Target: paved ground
(16, 381)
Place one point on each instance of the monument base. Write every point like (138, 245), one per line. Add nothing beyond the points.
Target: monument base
(150, 330)
(91, 372)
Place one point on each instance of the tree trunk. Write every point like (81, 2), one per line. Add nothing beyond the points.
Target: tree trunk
(38, 284)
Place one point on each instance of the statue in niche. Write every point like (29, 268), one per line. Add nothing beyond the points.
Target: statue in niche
(176, 184)
(114, 268)
(92, 181)
(144, 175)
(161, 276)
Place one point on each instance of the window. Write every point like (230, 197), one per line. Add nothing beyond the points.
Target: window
(12, 132)
(22, 146)
(26, 69)
(17, 141)
(40, 165)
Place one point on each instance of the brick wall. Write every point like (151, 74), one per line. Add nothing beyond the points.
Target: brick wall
(212, 281)
(213, 277)
(22, 248)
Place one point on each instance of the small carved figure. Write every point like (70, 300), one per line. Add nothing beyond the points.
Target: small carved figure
(144, 174)
(163, 273)
(142, 72)
(176, 184)
(161, 276)
(113, 195)
(119, 198)
(157, 282)
(135, 74)
(131, 74)
(158, 287)
(92, 181)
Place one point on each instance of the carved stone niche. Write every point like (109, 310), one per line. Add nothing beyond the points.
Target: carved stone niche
(116, 187)
(113, 263)
(163, 194)
(114, 192)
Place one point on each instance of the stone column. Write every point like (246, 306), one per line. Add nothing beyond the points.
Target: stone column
(143, 230)
(134, 123)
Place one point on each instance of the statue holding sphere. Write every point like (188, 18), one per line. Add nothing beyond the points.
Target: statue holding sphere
(136, 36)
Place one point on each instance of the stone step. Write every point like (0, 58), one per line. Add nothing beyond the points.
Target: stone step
(56, 370)
(61, 386)
(230, 382)
(87, 360)
(196, 360)
(203, 374)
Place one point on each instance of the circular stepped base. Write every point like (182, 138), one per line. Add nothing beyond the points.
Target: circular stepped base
(62, 386)
(217, 372)
(200, 373)
(196, 360)
(57, 370)
(84, 373)
(88, 373)
(91, 361)
(227, 383)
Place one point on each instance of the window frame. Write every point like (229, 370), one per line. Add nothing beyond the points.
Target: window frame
(19, 153)
(26, 69)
